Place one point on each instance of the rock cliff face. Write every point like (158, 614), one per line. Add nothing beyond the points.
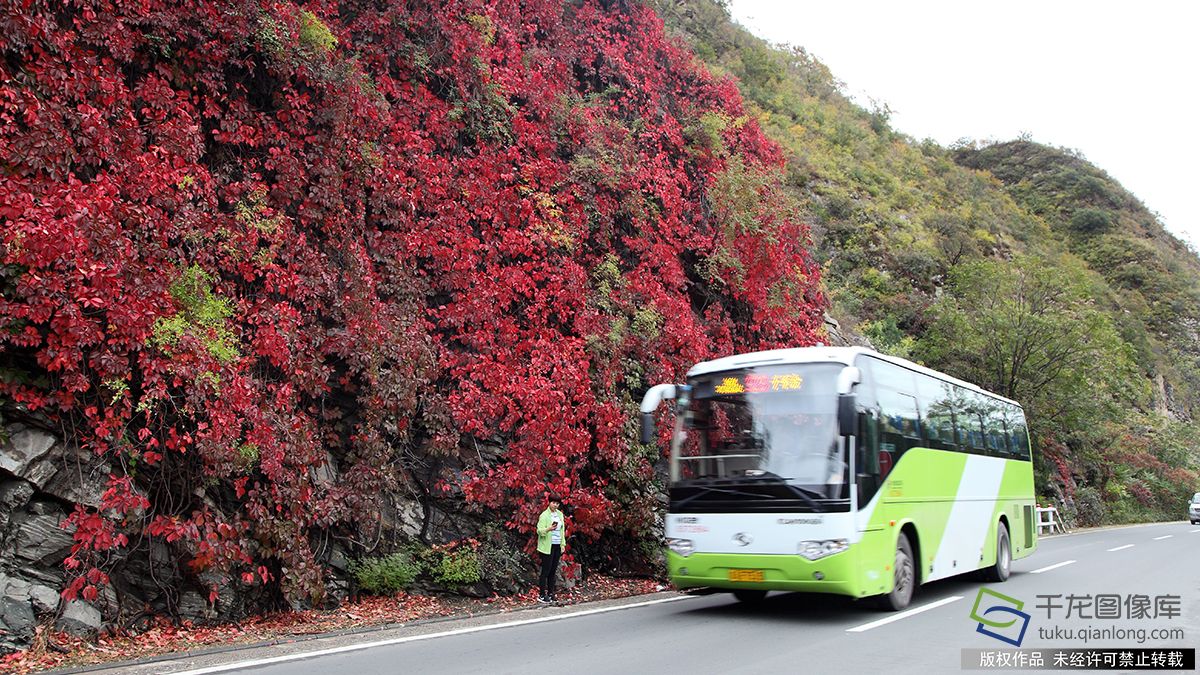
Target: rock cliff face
(41, 481)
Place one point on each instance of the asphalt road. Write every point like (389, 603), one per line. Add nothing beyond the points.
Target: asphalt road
(788, 632)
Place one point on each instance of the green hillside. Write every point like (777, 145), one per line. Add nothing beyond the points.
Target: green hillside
(1014, 265)
(1155, 277)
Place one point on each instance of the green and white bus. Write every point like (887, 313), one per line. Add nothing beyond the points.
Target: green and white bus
(841, 470)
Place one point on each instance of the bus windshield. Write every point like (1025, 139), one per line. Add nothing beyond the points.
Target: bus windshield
(775, 423)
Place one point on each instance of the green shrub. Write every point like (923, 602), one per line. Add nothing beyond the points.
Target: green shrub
(888, 338)
(247, 455)
(386, 575)
(457, 567)
(1091, 221)
(485, 26)
(314, 34)
(202, 314)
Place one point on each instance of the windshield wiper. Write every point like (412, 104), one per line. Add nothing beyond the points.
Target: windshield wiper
(803, 493)
(800, 492)
(707, 490)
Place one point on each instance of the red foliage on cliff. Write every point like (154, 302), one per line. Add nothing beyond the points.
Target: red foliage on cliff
(275, 260)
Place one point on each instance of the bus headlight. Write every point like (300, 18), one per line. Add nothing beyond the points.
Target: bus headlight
(683, 547)
(815, 550)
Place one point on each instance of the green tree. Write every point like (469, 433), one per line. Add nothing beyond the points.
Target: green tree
(1029, 329)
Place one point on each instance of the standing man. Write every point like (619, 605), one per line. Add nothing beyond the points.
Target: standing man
(552, 533)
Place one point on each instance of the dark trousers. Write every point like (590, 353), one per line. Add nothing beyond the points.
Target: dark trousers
(549, 570)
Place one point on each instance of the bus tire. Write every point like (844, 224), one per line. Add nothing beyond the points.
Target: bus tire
(999, 571)
(904, 578)
(750, 596)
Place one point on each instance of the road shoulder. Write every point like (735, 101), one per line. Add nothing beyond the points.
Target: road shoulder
(227, 660)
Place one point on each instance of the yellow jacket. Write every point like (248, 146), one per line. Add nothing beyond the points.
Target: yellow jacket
(543, 531)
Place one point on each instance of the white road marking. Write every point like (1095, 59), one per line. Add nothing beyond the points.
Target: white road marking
(254, 663)
(1165, 536)
(903, 615)
(1193, 531)
(1120, 548)
(1053, 567)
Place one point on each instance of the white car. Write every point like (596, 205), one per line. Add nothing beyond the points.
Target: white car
(1194, 509)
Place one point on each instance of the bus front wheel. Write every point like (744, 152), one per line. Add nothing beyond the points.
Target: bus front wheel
(904, 579)
(750, 596)
(999, 571)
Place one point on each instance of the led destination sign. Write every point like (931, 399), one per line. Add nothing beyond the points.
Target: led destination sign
(757, 383)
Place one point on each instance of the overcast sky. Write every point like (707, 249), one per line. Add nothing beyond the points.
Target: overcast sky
(1117, 81)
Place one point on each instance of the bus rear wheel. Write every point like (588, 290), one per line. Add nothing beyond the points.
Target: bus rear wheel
(750, 596)
(1000, 571)
(904, 578)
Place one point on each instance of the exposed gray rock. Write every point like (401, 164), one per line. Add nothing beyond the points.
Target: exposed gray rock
(337, 558)
(80, 619)
(489, 453)
(15, 494)
(13, 586)
(68, 473)
(16, 623)
(842, 337)
(44, 599)
(154, 577)
(337, 591)
(43, 508)
(23, 453)
(834, 330)
(16, 614)
(41, 479)
(81, 479)
(476, 590)
(326, 473)
(226, 593)
(37, 544)
(193, 606)
(337, 583)
(401, 515)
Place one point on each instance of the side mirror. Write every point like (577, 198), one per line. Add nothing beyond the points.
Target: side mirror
(656, 395)
(647, 428)
(847, 414)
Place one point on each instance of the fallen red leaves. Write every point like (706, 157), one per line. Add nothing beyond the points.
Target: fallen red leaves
(59, 650)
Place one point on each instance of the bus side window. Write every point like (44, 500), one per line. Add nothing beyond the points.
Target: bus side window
(958, 410)
(1018, 436)
(899, 427)
(937, 412)
(969, 421)
(997, 441)
(900, 419)
(912, 422)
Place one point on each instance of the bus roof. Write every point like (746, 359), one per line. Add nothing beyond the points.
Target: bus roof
(843, 355)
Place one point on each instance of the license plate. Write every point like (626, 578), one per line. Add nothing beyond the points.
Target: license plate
(746, 575)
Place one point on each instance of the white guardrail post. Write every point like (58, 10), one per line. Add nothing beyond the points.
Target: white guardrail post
(1047, 520)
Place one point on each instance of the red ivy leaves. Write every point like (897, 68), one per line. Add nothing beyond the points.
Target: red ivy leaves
(271, 272)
